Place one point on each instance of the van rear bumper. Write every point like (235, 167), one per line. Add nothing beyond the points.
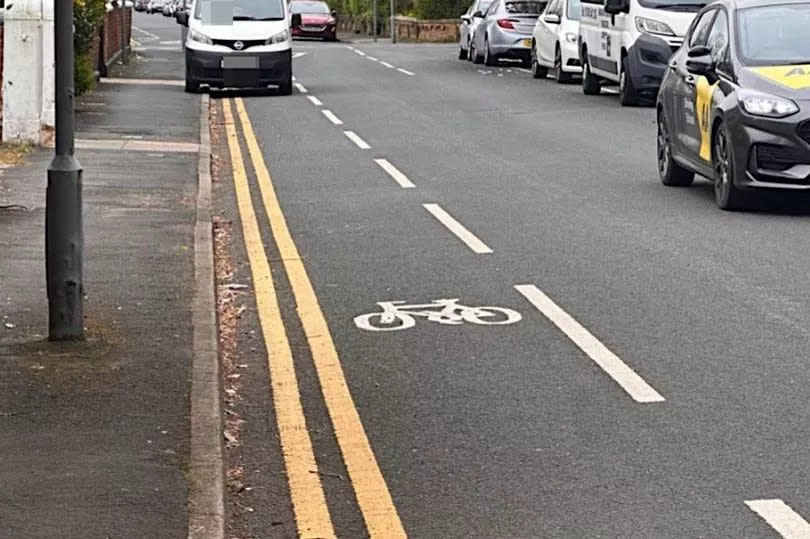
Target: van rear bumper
(647, 62)
(205, 67)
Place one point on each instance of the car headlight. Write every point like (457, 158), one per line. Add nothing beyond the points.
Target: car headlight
(771, 106)
(651, 26)
(278, 38)
(571, 37)
(194, 35)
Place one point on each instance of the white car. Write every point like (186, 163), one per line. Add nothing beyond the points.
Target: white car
(554, 41)
(469, 22)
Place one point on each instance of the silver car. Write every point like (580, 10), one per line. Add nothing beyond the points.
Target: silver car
(469, 22)
(506, 31)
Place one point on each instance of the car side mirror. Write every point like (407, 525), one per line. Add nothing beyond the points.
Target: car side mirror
(465, 18)
(614, 7)
(295, 21)
(699, 61)
(478, 15)
(552, 18)
(181, 17)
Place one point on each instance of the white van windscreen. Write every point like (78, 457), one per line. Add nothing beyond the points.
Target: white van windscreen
(675, 5)
(225, 12)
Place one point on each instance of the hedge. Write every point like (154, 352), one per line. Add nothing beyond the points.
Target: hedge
(88, 16)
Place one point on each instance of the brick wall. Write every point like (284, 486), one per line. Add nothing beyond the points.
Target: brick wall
(114, 34)
(433, 31)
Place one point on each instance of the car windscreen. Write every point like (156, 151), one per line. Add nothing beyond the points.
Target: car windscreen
(225, 12)
(483, 6)
(309, 7)
(774, 35)
(674, 5)
(525, 8)
(573, 10)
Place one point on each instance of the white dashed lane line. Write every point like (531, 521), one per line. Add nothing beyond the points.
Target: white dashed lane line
(314, 100)
(787, 522)
(469, 239)
(360, 143)
(405, 71)
(331, 117)
(395, 173)
(609, 362)
(301, 87)
(373, 59)
(386, 64)
(361, 53)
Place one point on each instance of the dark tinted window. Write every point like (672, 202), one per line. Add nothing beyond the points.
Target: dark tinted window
(525, 8)
(701, 29)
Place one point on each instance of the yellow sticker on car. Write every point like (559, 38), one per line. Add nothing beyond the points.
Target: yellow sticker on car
(704, 95)
(796, 77)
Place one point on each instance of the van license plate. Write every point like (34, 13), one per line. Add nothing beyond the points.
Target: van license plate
(240, 62)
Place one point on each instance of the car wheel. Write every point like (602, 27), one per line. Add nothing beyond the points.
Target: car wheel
(538, 71)
(489, 58)
(462, 54)
(559, 75)
(192, 84)
(670, 172)
(591, 85)
(726, 194)
(285, 87)
(628, 96)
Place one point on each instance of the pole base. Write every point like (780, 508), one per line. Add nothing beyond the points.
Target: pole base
(64, 250)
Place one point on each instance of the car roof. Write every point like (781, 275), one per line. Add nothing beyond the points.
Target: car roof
(742, 4)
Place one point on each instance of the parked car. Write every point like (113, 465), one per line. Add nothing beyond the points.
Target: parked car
(735, 103)
(156, 6)
(255, 51)
(168, 9)
(469, 22)
(554, 41)
(506, 31)
(629, 43)
(317, 20)
(141, 5)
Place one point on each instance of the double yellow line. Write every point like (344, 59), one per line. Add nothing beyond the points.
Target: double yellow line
(308, 499)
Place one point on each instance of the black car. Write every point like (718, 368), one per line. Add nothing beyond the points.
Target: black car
(734, 105)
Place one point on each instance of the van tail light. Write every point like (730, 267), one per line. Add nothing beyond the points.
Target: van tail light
(508, 24)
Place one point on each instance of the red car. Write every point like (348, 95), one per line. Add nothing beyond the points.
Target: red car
(316, 20)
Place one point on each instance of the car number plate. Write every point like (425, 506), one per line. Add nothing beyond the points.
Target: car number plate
(240, 62)
(527, 43)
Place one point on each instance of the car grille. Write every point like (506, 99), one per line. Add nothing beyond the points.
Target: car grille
(804, 131)
(776, 158)
(247, 43)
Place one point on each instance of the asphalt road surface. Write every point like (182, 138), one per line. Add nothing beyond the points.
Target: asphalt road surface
(638, 369)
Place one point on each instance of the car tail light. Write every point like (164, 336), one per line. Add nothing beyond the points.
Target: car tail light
(509, 24)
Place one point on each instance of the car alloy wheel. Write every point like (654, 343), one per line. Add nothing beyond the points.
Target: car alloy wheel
(664, 148)
(726, 193)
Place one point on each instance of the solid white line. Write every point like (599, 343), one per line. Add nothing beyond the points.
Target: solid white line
(361, 53)
(470, 239)
(331, 117)
(523, 69)
(405, 71)
(371, 58)
(299, 54)
(144, 32)
(360, 143)
(315, 101)
(631, 382)
(781, 517)
(386, 64)
(394, 172)
(300, 87)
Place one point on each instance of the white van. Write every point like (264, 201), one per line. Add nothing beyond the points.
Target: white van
(630, 42)
(239, 44)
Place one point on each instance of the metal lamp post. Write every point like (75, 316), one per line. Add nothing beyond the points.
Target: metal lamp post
(64, 239)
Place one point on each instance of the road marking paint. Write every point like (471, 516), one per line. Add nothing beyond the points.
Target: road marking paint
(631, 382)
(294, 79)
(175, 42)
(781, 517)
(301, 87)
(371, 58)
(315, 101)
(470, 239)
(144, 32)
(371, 491)
(386, 64)
(144, 82)
(299, 54)
(361, 53)
(362, 144)
(508, 70)
(396, 315)
(394, 172)
(306, 491)
(524, 70)
(405, 71)
(331, 116)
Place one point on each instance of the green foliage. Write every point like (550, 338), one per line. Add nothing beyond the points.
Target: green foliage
(88, 16)
(421, 9)
(440, 9)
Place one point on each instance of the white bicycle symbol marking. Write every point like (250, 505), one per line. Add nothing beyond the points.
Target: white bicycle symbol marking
(396, 315)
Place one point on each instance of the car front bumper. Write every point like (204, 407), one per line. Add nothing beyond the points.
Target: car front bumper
(774, 153)
(326, 32)
(206, 68)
